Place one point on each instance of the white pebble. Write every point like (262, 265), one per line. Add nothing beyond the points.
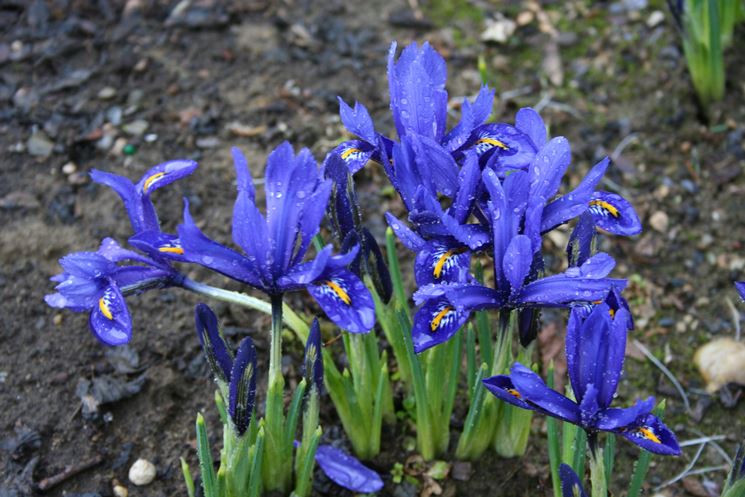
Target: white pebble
(120, 491)
(142, 472)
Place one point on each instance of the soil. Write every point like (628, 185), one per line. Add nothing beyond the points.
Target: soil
(77, 78)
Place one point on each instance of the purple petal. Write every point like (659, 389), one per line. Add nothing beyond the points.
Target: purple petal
(472, 115)
(311, 217)
(614, 214)
(614, 418)
(110, 321)
(501, 386)
(501, 147)
(435, 162)
(158, 244)
(548, 168)
(346, 471)
(357, 120)
(133, 276)
(575, 202)
(570, 484)
(243, 386)
(141, 215)
(560, 289)
(213, 344)
(472, 235)
(469, 179)
(164, 174)
(439, 263)
(411, 240)
(530, 122)
(436, 322)
(201, 250)
(598, 266)
(243, 173)
(651, 434)
(579, 247)
(589, 406)
(740, 286)
(114, 252)
(355, 154)
(250, 232)
(307, 272)
(345, 300)
(517, 260)
(87, 265)
(535, 391)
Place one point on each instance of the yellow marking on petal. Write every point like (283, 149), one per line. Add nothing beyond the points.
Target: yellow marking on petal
(514, 393)
(152, 179)
(171, 250)
(612, 313)
(349, 152)
(339, 292)
(493, 142)
(439, 317)
(649, 434)
(612, 210)
(443, 259)
(103, 306)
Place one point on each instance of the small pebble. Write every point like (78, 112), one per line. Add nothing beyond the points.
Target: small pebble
(142, 472)
(119, 145)
(524, 17)
(659, 221)
(655, 18)
(57, 319)
(120, 491)
(107, 93)
(150, 137)
(69, 168)
(39, 145)
(137, 127)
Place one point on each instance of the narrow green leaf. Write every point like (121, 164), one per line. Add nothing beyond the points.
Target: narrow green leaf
(396, 278)
(609, 452)
(206, 466)
(293, 413)
(552, 426)
(465, 442)
(256, 454)
(188, 480)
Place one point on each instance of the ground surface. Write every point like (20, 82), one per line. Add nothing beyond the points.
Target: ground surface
(79, 80)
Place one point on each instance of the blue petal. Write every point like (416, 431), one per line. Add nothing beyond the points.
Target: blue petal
(464, 296)
(501, 147)
(354, 154)
(243, 173)
(133, 276)
(651, 434)
(614, 214)
(114, 252)
(243, 386)
(436, 163)
(740, 286)
(346, 471)
(357, 120)
(530, 122)
(141, 216)
(614, 418)
(313, 358)
(159, 245)
(469, 179)
(213, 344)
(436, 322)
(164, 174)
(201, 250)
(472, 235)
(87, 265)
(440, 263)
(535, 391)
(589, 406)
(598, 266)
(411, 240)
(345, 300)
(472, 115)
(250, 232)
(110, 321)
(517, 260)
(570, 484)
(503, 388)
(560, 289)
(290, 181)
(417, 89)
(579, 247)
(344, 208)
(575, 202)
(311, 217)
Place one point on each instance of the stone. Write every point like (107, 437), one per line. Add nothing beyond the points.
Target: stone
(655, 18)
(136, 127)
(498, 30)
(142, 472)
(659, 221)
(39, 145)
(120, 491)
(107, 93)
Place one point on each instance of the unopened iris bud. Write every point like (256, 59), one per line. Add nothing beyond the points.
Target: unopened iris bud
(313, 362)
(218, 355)
(243, 386)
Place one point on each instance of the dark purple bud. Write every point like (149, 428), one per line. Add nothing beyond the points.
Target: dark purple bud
(313, 361)
(243, 386)
(346, 471)
(218, 355)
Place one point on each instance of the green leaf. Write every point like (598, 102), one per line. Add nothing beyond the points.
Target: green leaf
(204, 452)
(188, 480)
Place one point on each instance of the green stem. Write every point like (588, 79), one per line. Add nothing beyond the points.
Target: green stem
(395, 269)
(597, 467)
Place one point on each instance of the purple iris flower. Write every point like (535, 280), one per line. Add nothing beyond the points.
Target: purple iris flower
(237, 374)
(275, 245)
(94, 282)
(595, 349)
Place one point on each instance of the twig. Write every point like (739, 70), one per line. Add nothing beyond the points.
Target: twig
(666, 372)
(621, 146)
(708, 469)
(67, 473)
(686, 471)
(702, 440)
(713, 442)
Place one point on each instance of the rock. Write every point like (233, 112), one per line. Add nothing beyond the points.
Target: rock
(246, 131)
(525, 17)
(120, 491)
(462, 471)
(136, 128)
(208, 142)
(142, 472)
(69, 168)
(19, 200)
(655, 18)
(498, 30)
(721, 361)
(107, 93)
(39, 145)
(659, 221)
